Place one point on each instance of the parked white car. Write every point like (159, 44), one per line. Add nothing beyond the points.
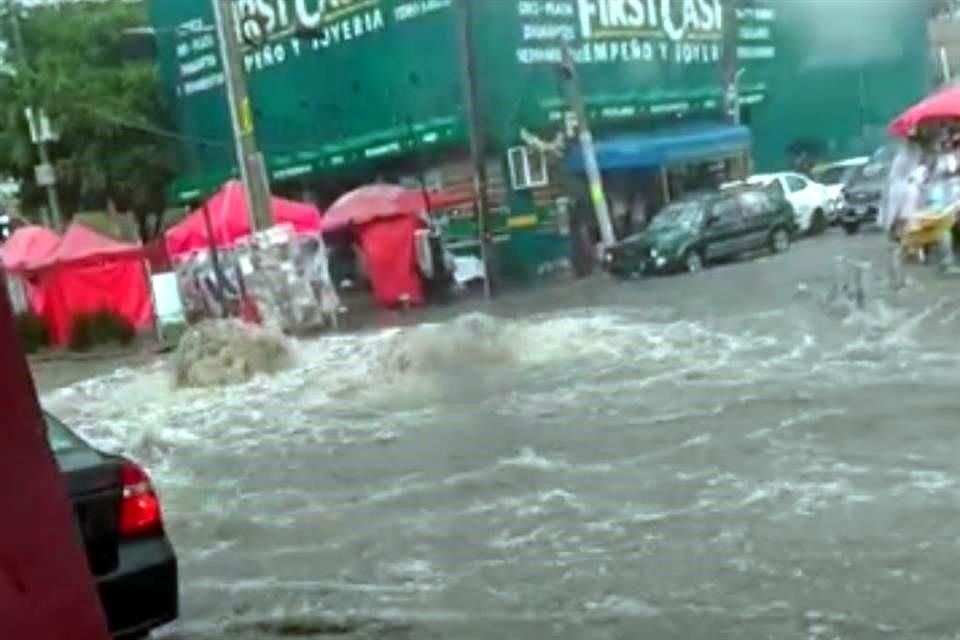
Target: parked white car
(810, 200)
(834, 176)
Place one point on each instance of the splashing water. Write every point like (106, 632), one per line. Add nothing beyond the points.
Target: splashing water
(594, 467)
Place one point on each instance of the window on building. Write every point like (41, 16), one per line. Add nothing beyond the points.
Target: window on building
(528, 168)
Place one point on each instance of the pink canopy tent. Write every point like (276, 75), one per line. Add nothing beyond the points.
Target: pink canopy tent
(230, 221)
(87, 273)
(27, 247)
(81, 245)
(940, 106)
(378, 201)
(384, 219)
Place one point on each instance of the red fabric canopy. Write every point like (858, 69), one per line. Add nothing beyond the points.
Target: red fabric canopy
(81, 244)
(942, 105)
(86, 273)
(376, 201)
(230, 221)
(117, 285)
(391, 259)
(28, 247)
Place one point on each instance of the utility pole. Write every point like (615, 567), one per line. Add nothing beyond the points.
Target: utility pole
(476, 133)
(43, 154)
(249, 159)
(598, 197)
(729, 74)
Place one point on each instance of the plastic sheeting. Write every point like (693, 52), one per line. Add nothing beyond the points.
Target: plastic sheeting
(389, 250)
(230, 221)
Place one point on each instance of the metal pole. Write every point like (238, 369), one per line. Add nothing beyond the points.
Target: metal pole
(477, 146)
(729, 77)
(43, 153)
(598, 196)
(215, 259)
(249, 159)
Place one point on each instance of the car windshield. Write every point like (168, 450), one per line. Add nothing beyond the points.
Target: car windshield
(684, 214)
(834, 174)
(873, 170)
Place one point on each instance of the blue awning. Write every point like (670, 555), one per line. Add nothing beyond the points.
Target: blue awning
(675, 145)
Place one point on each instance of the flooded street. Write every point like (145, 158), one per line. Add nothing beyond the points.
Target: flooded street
(720, 455)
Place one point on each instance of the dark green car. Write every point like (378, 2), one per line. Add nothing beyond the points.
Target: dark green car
(699, 229)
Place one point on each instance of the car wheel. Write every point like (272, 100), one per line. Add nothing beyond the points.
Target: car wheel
(818, 223)
(851, 228)
(779, 240)
(693, 262)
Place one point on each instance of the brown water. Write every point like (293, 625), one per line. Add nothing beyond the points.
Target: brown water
(725, 455)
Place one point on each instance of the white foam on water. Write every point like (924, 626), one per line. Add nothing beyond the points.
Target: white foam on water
(375, 388)
(363, 387)
(530, 459)
(621, 606)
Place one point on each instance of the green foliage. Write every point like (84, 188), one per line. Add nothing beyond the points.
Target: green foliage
(89, 330)
(34, 332)
(101, 95)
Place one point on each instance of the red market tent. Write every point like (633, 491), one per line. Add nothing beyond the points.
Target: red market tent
(390, 255)
(377, 201)
(230, 221)
(939, 106)
(89, 272)
(27, 247)
(82, 245)
(384, 218)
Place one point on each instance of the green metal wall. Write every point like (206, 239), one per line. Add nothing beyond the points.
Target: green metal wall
(840, 71)
(384, 77)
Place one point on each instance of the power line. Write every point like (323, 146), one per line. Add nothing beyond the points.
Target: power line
(157, 131)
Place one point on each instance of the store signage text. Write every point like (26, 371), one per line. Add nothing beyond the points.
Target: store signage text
(677, 19)
(683, 32)
(267, 28)
(329, 21)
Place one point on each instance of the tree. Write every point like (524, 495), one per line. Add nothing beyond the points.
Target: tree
(83, 68)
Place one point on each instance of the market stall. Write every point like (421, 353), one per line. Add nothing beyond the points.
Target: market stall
(225, 218)
(923, 193)
(384, 220)
(28, 246)
(88, 273)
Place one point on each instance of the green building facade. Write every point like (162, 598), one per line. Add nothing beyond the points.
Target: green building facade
(371, 85)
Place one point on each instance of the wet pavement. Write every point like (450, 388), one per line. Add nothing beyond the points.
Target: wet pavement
(733, 454)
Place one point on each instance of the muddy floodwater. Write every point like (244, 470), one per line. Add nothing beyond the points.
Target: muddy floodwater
(728, 455)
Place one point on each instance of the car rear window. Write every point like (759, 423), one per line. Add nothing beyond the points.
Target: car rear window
(59, 436)
(835, 174)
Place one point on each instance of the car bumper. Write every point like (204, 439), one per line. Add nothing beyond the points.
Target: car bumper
(860, 212)
(626, 267)
(143, 592)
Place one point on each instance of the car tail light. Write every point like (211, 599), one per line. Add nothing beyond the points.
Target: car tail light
(140, 507)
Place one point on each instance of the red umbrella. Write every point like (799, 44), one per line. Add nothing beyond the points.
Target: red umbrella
(376, 201)
(943, 105)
